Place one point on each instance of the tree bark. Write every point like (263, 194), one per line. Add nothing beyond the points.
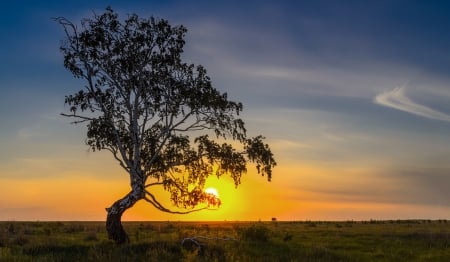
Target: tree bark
(114, 227)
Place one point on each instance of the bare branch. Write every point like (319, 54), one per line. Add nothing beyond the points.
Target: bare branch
(83, 118)
(158, 205)
(114, 153)
(154, 184)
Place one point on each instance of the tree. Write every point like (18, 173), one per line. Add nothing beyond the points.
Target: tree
(160, 118)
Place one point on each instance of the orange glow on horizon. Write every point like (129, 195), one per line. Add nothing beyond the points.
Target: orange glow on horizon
(81, 197)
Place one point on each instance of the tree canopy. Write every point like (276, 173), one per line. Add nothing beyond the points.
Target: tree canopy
(161, 118)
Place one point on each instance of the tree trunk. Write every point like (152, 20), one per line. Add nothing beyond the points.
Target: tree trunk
(114, 217)
(115, 228)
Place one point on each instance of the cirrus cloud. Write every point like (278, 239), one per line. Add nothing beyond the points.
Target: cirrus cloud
(397, 99)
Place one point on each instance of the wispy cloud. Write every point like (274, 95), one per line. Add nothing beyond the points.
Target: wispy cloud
(397, 99)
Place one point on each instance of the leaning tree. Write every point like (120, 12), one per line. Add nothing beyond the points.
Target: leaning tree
(160, 118)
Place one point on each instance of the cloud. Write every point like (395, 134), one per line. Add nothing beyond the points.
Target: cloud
(251, 63)
(397, 99)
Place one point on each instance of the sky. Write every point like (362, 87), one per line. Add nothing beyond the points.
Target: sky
(353, 97)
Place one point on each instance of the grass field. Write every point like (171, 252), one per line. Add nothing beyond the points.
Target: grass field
(410, 240)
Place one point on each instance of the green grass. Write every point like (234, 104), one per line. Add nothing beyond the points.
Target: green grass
(410, 240)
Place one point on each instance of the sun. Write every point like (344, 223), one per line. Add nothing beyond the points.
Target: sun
(212, 191)
(212, 197)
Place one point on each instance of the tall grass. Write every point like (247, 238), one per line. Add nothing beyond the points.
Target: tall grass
(410, 240)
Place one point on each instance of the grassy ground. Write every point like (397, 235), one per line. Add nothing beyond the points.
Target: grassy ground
(412, 240)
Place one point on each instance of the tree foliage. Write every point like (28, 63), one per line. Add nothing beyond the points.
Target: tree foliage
(161, 118)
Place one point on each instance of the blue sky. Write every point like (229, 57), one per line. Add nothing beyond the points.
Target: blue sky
(352, 95)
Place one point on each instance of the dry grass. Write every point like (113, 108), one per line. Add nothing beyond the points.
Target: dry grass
(411, 240)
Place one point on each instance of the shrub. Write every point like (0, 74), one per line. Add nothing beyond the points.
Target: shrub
(10, 229)
(91, 236)
(257, 232)
(21, 240)
(287, 236)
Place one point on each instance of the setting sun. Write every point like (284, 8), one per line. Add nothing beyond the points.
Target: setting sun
(212, 191)
(213, 197)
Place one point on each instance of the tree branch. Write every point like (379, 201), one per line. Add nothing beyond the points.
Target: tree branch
(83, 118)
(104, 110)
(154, 184)
(114, 153)
(158, 205)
